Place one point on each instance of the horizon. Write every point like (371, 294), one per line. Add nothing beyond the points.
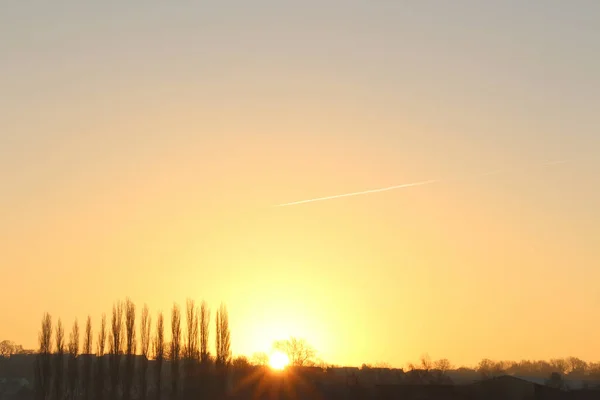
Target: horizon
(380, 179)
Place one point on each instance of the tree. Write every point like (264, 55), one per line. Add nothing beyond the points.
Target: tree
(115, 348)
(426, 363)
(439, 373)
(175, 348)
(130, 348)
(59, 361)
(159, 353)
(8, 348)
(223, 337)
(191, 351)
(191, 347)
(594, 370)
(101, 346)
(576, 366)
(204, 333)
(559, 365)
(260, 358)
(488, 368)
(145, 327)
(72, 369)
(240, 362)
(222, 346)
(299, 352)
(443, 365)
(86, 377)
(43, 370)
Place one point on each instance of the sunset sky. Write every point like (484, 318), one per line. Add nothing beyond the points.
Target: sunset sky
(144, 145)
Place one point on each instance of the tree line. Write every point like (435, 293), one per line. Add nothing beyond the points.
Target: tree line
(127, 365)
(554, 371)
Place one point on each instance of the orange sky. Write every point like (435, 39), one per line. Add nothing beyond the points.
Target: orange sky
(142, 150)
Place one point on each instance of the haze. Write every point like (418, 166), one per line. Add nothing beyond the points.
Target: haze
(143, 145)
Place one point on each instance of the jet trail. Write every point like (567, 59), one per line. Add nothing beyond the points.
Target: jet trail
(337, 196)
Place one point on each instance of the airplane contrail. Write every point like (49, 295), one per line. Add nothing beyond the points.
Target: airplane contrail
(384, 189)
(337, 196)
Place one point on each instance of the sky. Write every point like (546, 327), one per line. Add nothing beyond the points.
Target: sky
(144, 145)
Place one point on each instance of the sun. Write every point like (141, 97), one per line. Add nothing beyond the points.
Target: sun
(278, 360)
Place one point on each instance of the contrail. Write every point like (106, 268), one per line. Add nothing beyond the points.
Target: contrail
(337, 196)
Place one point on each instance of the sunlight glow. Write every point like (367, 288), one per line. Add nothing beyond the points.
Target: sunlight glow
(278, 360)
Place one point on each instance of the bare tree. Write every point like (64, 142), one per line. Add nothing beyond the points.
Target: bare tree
(443, 365)
(175, 348)
(223, 336)
(72, 369)
(159, 353)
(43, 370)
(8, 348)
(115, 348)
(240, 362)
(145, 327)
(559, 365)
(86, 378)
(130, 348)
(260, 358)
(426, 363)
(487, 368)
(223, 346)
(576, 366)
(59, 361)
(299, 352)
(204, 333)
(190, 350)
(101, 346)
(191, 345)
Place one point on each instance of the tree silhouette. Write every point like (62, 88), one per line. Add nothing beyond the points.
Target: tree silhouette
(100, 379)
(115, 348)
(191, 345)
(159, 353)
(86, 376)
(223, 336)
(240, 362)
(222, 345)
(576, 366)
(72, 369)
(130, 348)
(43, 370)
(59, 362)
(8, 348)
(426, 363)
(443, 365)
(299, 352)
(175, 355)
(204, 333)
(559, 365)
(191, 351)
(145, 327)
(260, 358)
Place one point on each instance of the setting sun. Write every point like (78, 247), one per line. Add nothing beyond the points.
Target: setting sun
(278, 360)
